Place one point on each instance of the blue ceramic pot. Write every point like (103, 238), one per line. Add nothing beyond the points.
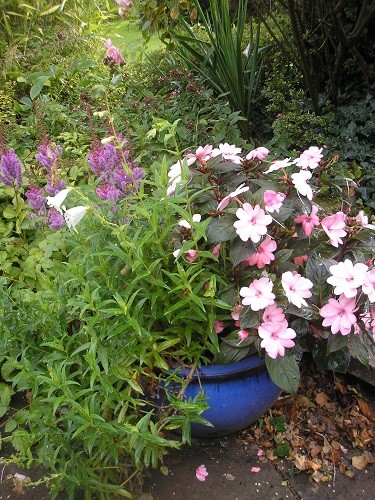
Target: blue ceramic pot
(238, 394)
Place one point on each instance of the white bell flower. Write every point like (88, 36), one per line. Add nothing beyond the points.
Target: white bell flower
(58, 199)
(74, 215)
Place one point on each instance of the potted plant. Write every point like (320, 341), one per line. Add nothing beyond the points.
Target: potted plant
(242, 256)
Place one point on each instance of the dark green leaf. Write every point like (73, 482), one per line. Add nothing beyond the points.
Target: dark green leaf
(240, 250)
(284, 371)
(221, 229)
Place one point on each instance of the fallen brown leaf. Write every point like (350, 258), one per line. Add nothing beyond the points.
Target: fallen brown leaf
(321, 399)
(359, 462)
(365, 409)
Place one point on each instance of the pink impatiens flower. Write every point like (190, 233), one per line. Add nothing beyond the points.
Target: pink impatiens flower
(347, 278)
(296, 288)
(264, 254)
(362, 218)
(339, 314)
(252, 222)
(308, 221)
(218, 326)
(201, 155)
(310, 158)
(201, 473)
(273, 201)
(276, 337)
(334, 225)
(299, 180)
(278, 165)
(257, 154)
(243, 334)
(274, 314)
(368, 286)
(228, 152)
(231, 196)
(258, 294)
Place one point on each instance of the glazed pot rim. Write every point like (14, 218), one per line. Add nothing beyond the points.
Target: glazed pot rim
(249, 364)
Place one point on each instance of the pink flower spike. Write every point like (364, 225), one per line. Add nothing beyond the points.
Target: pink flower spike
(296, 288)
(255, 469)
(258, 295)
(231, 196)
(309, 158)
(273, 201)
(308, 221)
(252, 223)
(201, 473)
(339, 314)
(257, 154)
(334, 225)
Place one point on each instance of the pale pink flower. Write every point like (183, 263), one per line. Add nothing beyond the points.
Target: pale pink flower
(339, 314)
(228, 152)
(276, 337)
(184, 223)
(273, 201)
(363, 220)
(273, 314)
(231, 196)
(347, 278)
(309, 158)
(300, 260)
(243, 334)
(216, 250)
(257, 154)
(113, 53)
(218, 326)
(258, 294)
(191, 255)
(201, 155)
(255, 469)
(264, 254)
(308, 221)
(252, 222)
(296, 288)
(278, 165)
(368, 286)
(175, 176)
(334, 225)
(236, 312)
(299, 180)
(201, 473)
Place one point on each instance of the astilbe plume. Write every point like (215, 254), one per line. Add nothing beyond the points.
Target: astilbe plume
(48, 154)
(10, 169)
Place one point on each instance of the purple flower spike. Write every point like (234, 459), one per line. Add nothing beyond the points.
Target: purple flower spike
(47, 155)
(58, 186)
(55, 219)
(103, 159)
(36, 200)
(10, 169)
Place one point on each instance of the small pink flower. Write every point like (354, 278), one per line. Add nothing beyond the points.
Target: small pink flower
(257, 154)
(264, 254)
(339, 314)
(236, 312)
(218, 326)
(243, 334)
(276, 337)
(252, 223)
(363, 220)
(278, 165)
(216, 250)
(255, 469)
(308, 221)
(228, 152)
(258, 295)
(368, 286)
(201, 155)
(113, 53)
(273, 201)
(232, 196)
(201, 473)
(296, 288)
(299, 180)
(334, 225)
(309, 158)
(347, 278)
(274, 314)
(191, 255)
(300, 260)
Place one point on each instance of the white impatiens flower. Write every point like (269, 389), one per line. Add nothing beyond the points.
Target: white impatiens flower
(74, 215)
(347, 278)
(299, 180)
(59, 198)
(186, 224)
(278, 165)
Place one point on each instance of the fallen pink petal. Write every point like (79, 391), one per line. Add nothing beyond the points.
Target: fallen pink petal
(255, 469)
(201, 473)
(260, 453)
